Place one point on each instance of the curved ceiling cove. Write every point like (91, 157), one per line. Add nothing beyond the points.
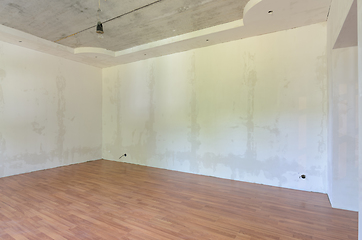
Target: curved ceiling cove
(94, 50)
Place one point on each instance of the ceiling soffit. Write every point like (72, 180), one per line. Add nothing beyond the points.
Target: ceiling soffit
(162, 28)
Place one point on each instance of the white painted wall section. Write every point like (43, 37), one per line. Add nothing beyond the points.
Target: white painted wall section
(252, 110)
(359, 11)
(343, 114)
(50, 111)
(343, 128)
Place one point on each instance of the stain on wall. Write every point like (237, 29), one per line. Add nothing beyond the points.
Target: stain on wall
(61, 111)
(321, 67)
(193, 136)
(37, 128)
(251, 81)
(251, 110)
(2, 77)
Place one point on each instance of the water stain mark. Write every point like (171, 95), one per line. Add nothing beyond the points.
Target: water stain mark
(37, 128)
(2, 77)
(2, 146)
(195, 127)
(19, 8)
(286, 83)
(321, 72)
(276, 169)
(149, 126)
(250, 78)
(61, 86)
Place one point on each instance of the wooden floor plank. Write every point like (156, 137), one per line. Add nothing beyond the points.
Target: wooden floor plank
(112, 200)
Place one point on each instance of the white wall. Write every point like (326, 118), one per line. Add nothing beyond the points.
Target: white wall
(50, 111)
(252, 110)
(359, 20)
(343, 114)
(343, 129)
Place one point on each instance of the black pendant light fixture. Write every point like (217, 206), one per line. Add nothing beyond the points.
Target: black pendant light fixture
(99, 28)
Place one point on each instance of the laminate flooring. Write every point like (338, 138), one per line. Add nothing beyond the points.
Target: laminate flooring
(113, 200)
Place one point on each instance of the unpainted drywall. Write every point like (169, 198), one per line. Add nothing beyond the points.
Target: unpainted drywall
(343, 114)
(50, 111)
(253, 110)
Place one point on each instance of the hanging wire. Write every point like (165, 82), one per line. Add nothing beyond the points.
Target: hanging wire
(99, 28)
(99, 10)
(111, 19)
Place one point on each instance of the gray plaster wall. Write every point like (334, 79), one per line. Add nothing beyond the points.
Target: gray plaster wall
(50, 111)
(252, 110)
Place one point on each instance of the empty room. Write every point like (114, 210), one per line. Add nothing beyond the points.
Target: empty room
(188, 119)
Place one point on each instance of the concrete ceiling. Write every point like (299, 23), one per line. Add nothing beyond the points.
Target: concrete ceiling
(136, 30)
(127, 23)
